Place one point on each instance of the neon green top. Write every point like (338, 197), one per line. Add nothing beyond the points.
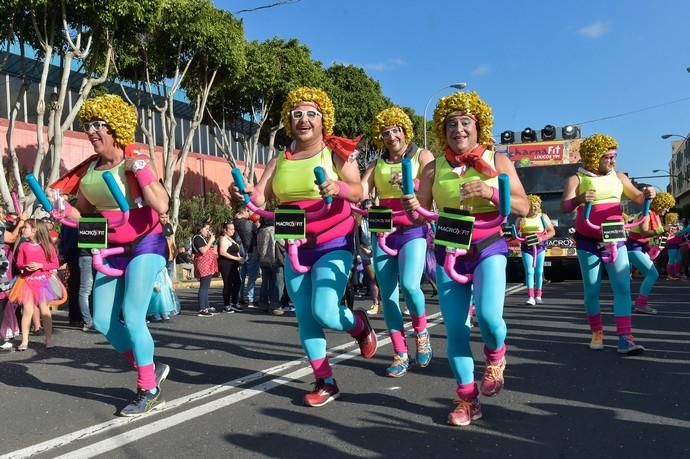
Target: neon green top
(385, 170)
(94, 189)
(609, 187)
(446, 187)
(531, 225)
(293, 179)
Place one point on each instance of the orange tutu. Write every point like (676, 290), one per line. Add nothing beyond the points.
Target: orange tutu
(36, 289)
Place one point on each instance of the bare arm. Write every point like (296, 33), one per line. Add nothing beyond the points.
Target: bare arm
(632, 193)
(550, 230)
(423, 196)
(368, 180)
(263, 190)
(349, 175)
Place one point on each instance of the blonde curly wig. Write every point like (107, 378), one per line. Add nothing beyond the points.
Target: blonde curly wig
(663, 200)
(120, 116)
(464, 102)
(533, 199)
(307, 94)
(671, 218)
(393, 116)
(593, 148)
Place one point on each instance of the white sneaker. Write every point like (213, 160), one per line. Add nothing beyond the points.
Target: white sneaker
(539, 300)
(530, 301)
(6, 346)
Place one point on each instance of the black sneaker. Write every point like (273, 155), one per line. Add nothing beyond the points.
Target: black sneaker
(212, 310)
(205, 313)
(228, 309)
(142, 403)
(162, 371)
(238, 308)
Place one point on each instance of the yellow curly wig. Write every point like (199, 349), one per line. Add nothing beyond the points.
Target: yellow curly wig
(120, 116)
(533, 199)
(663, 200)
(464, 102)
(393, 116)
(671, 218)
(593, 148)
(307, 94)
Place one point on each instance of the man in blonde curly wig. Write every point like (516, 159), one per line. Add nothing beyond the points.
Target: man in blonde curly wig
(392, 130)
(598, 182)
(118, 115)
(465, 177)
(641, 251)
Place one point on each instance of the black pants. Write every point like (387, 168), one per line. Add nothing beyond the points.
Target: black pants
(73, 291)
(230, 272)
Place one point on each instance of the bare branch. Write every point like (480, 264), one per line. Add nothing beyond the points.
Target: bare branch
(263, 7)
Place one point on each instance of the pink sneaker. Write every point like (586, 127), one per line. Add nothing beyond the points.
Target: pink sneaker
(323, 393)
(492, 383)
(465, 412)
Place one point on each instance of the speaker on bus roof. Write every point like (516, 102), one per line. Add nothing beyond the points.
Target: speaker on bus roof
(528, 135)
(548, 132)
(507, 137)
(570, 132)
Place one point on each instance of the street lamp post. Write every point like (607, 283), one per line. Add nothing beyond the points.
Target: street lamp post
(458, 86)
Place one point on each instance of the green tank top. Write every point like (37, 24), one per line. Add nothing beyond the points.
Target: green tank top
(293, 179)
(97, 193)
(532, 224)
(609, 187)
(446, 187)
(384, 171)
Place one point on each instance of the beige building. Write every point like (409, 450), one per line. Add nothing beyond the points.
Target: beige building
(679, 167)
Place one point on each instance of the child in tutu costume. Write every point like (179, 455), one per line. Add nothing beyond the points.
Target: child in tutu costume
(164, 302)
(37, 287)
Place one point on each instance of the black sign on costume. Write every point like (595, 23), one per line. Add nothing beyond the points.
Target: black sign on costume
(380, 219)
(454, 228)
(291, 223)
(531, 240)
(92, 232)
(613, 232)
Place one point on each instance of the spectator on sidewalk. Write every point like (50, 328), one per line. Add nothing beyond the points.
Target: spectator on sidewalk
(271, 263)
(184, 261)
(205, 266)
(230, 258)
(246, 229)
(169, 233)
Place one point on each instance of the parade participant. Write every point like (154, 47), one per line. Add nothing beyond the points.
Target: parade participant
(638, 248)
(673, 228)
(598, 182)
(538, 223)
(109, 123)
(392, 131)
(467, 176)
(37, 288)
(309, 116)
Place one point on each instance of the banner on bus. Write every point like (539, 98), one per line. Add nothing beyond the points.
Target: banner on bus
(542, 153)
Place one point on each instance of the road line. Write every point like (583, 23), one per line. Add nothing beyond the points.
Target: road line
(156, 426)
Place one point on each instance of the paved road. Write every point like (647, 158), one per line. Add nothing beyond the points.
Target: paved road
(238, 380)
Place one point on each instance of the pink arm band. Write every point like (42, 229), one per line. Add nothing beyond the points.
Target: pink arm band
(570, 204)
(145, 176)
(416, 184)
(343, 190)
(494, 196)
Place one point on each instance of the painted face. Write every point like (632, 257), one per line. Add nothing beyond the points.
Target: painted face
(306, 123)
(608, 162)
(100, 135)
(534, 208)
(394, 139)
(461, 133)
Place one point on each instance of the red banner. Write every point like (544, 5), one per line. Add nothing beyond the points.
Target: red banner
(542, 153)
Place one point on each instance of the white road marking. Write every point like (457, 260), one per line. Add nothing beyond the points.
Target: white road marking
(151, 428)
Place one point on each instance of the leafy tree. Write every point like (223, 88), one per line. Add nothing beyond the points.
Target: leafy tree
(197, 210)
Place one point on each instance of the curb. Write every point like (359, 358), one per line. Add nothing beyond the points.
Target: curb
(215, 282)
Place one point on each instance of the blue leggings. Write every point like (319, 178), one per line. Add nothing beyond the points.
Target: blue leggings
(317, 295)
(128, 295)
(410, 265)
(534, 277)
(645, 266)
(673, 255)
(489, 294)
(619, 276)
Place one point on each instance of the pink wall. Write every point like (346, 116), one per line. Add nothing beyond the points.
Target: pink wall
(204, 174)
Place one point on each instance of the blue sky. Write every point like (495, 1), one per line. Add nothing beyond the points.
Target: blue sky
(534, 62)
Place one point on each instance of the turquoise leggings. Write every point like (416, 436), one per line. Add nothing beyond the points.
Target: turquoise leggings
(645, 266)
(534, 277)
(619, 277)
(317, 295)
(410, 265)
(673, 255)
(129, 296)
(489, 294)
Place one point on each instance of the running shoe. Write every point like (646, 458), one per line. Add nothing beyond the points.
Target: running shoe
(323, 393)
(627, 346)
(373, 310)
(646, 309)
(539, 300)
(424, 352)
(142, 403)
(367, 339)
(6, 347)
(492, 383)
(206, 312)
(465, 412)
(399, 366)
(597, 342)
(530, 301)
(238, 308)
(277, 311)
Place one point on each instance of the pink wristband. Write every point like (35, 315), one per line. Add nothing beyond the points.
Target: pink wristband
(416, 184)
(494, 196)
(343, 190)
(569, 204)
(145, 176)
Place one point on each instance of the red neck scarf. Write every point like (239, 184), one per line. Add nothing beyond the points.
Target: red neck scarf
(472, 158)
(341, 146)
